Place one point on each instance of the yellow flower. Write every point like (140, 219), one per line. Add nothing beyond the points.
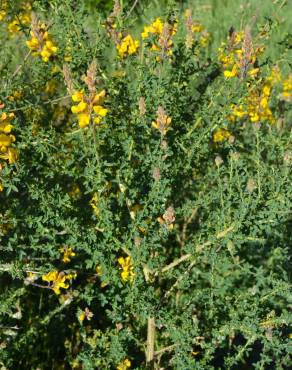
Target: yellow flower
(127, 46)
(264, 102)
(287, 90)
(98, 109)
(197, 27)
(238, 111)
(94, 204)
(78, 96)
(16, 95)
(221, 135)
(5, 142)
(253, 72)
(124, 365)
(33, 44)
(162, 122)
(81, 317)
(99, 98)
(75, 191)
(25, 18)
(5, 125)
(232, 73)
(205, 39)
(155, 28)
(14, 27)
(31, 277)
(287, 84)
(254, 116)
(11, 155)
(50, 276)
(84, 109)
(6, 151)
(57, 280)
(42, 44)
(2, 14)
(86, 314)
(67, 254)
(83, 119)
(275, 75)
(267, 89)
(79, 108)
(233, 55)
(98, 270)
(127, 273)
(48, 50)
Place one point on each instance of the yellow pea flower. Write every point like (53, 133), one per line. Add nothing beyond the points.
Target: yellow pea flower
(5, 142)
(221, 135)
(99, 98)
(83, 120)
(78, 96)
(127, 273)
(57, 280)
(98, 109)
(124, 365)
(67, 254)
(33, 44)
(79, 108)
(232, 73)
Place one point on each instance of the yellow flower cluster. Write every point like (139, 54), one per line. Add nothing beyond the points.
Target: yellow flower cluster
(75, 191)
(94, 204)
(124, 365)
(238, 56)
(86, 314)
(255, 106)
(88, 106)
(128, 46)
(16, 95)
(57, 280)
(167, 219)
(42, 44)
(195, 31)
(7, 152)
(127, 273)
(153, 29)
(162, 122)
(287, 89)
(156, 30)
(3, 10)
(22, 19)
(67, 254)
(221, 135)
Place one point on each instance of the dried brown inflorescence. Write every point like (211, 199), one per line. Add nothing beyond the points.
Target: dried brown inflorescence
(169, 216)
(68, 79)
(114, 34)
(91, 77)
(142, 106)
(164, 41)
(189, 26)
(247, 52)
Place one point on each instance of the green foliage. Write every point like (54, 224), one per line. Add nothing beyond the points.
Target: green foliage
(204, 220)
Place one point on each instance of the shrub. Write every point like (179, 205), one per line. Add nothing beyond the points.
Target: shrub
(145, 189)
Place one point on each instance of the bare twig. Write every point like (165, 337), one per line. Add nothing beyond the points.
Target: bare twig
(132, 8)
(165, 349)
(175, 263)
(150, 339)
